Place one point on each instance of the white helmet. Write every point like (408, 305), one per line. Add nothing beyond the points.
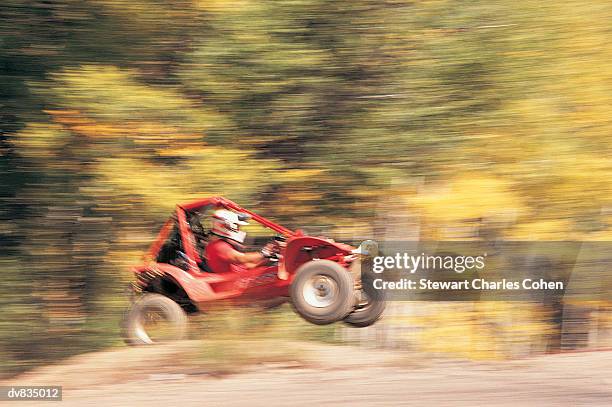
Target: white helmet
(227, 224)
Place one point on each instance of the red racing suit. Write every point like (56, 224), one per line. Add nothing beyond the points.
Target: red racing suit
(219, 255)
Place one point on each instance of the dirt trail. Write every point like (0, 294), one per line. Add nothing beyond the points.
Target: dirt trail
(334, 375)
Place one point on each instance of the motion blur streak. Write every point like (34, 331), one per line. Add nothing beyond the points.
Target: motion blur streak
(377, 119)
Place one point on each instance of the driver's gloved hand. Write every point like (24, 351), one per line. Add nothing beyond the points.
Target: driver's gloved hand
(269, 251)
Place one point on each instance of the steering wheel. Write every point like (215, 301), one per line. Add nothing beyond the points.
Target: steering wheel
(274, 247)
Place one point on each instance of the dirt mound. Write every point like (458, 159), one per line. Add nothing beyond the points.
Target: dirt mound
(328, 375)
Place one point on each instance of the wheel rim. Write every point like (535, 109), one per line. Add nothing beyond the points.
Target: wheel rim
(320, 291)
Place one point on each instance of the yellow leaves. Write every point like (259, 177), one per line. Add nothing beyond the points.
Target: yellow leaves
(41, 141)
(143, 144)
(299, 175)
(77, 123)
(109, 105)
(297, 201)
(481, 330)
(546, 230)
(223, 5)
(202, 172)
(150, 134)
(601, 235)
(180, 151)
(109, 94)
(469, 197)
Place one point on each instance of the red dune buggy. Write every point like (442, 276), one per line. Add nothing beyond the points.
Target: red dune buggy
(321, 278)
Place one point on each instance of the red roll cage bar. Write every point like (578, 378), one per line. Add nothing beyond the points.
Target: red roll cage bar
(227, 204)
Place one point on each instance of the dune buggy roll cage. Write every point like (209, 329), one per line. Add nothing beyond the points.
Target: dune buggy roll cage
(184, 229)
(227, 204)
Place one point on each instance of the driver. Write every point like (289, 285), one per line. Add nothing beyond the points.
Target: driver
(223, 252)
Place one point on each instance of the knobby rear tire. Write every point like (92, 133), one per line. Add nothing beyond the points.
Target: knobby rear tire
(134, 331)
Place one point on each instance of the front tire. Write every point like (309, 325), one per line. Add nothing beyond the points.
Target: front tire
(322, 292)
(154, 308)
(368, 311)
